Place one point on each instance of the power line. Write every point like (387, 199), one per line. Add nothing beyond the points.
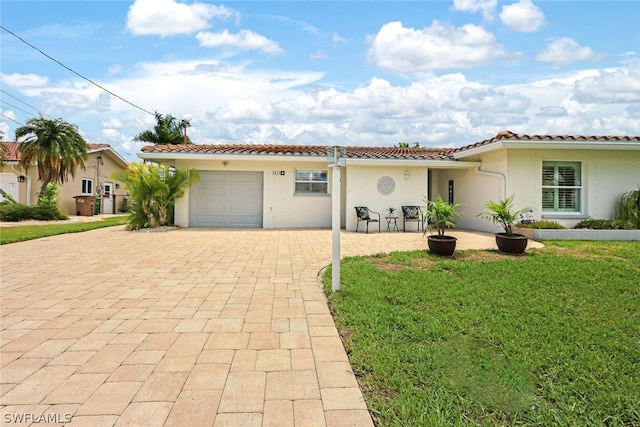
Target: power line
(17, 108)
(28, 105)
(9, 118)
(75, 72)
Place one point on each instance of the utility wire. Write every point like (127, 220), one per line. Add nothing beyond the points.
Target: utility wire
(28, 105)
(9, 118)
(75, 72)
(17, 108)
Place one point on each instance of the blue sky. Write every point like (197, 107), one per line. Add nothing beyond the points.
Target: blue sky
(440, 73)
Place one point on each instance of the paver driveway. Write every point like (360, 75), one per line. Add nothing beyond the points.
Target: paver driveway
(191, 327)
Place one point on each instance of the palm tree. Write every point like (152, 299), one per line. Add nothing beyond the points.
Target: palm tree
(167, 131)
(55, 145)
(152, 188)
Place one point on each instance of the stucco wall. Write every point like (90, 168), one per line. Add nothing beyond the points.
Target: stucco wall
(473, 188)
(29, 189)
(605, 176)
(74, 186)
(282, 208)
(410, 189)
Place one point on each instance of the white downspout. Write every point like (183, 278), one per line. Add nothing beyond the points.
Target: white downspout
(498, 175)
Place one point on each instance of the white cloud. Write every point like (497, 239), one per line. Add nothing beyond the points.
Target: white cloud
(337, 39)
(487, 7)
(489, 100)
(318, 54)
(115, 69)
(243, 40)
(565, 51)
(23, 80)
(113, 123)
(169, 18)
(523, 16)
(552, 111)
(440, 46)
(609, 87)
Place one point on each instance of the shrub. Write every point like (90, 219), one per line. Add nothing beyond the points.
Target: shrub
(14, 212)
(604, 224)
(18, 212)
(47, 213)
(546, 224)
(628, 208)
(50, 196)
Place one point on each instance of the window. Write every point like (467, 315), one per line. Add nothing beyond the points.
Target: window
(87, 186)
(311, 182)
(561, 186)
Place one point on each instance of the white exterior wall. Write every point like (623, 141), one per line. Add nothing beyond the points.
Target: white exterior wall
(472, 189)
(281, 207)
(606, 174)
(362, 190)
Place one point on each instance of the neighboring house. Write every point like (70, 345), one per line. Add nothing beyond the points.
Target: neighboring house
(24, 186)
(564, 178)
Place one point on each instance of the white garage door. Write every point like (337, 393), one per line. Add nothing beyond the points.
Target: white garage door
(226, 199)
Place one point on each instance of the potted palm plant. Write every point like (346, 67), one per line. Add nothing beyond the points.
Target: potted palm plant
(502, 213)
(438, 217)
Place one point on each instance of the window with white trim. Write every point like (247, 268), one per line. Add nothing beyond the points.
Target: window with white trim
(561, 187)
(87, 186)
(311, 182)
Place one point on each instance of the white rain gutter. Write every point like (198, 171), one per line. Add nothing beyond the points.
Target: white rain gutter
(498, 175)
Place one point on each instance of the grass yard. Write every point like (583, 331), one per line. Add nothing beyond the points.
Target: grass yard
(550, 338)
(20, 233)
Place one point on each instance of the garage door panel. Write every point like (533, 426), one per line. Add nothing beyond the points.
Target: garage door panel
(227, 199)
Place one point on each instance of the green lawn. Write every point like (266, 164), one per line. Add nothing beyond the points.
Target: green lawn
(551, 338)
(20, 233)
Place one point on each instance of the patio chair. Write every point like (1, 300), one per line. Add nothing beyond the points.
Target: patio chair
(364, 214)
(412, 214)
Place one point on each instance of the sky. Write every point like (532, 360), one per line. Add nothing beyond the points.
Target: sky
(374, 73)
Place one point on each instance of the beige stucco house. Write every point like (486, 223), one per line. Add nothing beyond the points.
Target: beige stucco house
(94, 181)
(564, 178)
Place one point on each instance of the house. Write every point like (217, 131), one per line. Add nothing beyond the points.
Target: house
(563, 178)
(102, 160)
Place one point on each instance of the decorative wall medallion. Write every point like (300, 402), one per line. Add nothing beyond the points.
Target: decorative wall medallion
(386, 185)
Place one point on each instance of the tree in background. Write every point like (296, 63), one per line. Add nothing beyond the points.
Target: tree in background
(152, 189)
(167, 131)
(55, 146)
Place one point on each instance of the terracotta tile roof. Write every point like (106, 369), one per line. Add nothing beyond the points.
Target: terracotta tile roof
(353, 152)
(13, 152)
(505, 134)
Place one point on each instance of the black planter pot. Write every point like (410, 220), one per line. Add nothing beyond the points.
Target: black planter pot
(442, 245)
(515, 244)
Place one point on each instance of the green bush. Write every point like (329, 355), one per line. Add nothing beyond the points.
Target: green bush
(546, 224)
(50, 196)
(628, 208)
(47, 213)
(604, 224)
(15, 212)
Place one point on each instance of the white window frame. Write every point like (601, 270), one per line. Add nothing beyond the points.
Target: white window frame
(310, 182)
(83, 187)
(558, 188)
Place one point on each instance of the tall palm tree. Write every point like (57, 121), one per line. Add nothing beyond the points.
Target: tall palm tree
(55, 145)
(167, 131)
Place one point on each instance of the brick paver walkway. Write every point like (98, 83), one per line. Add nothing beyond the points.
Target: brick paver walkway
(191, 327)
